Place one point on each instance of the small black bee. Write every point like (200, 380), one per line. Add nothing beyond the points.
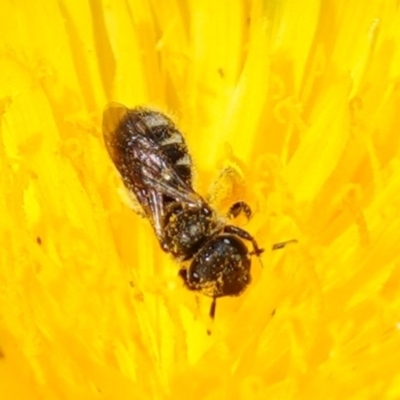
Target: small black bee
(153, 160)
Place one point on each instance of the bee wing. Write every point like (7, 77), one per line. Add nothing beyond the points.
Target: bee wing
(144, 168)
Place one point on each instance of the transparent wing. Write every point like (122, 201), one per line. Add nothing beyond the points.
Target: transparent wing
(143, 167)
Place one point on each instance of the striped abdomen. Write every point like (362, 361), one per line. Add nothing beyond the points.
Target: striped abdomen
(164, 133)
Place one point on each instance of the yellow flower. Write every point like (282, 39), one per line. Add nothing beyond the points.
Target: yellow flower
(299, 102)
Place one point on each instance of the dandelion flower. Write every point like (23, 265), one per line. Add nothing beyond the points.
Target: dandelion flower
(291, 107)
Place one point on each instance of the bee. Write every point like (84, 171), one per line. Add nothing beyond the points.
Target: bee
(153, 160)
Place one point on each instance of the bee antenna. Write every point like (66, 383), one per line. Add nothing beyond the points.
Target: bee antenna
(281, 245)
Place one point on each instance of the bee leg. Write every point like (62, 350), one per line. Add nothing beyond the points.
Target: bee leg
(227, 187)
(239, 207)
(212, 313)
(234, 230)
(183, 274)
(213, 307)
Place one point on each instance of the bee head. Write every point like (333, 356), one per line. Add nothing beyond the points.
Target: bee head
(220, 268)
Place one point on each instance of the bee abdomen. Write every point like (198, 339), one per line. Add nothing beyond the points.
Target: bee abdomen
(163, 132)
(178, 155)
